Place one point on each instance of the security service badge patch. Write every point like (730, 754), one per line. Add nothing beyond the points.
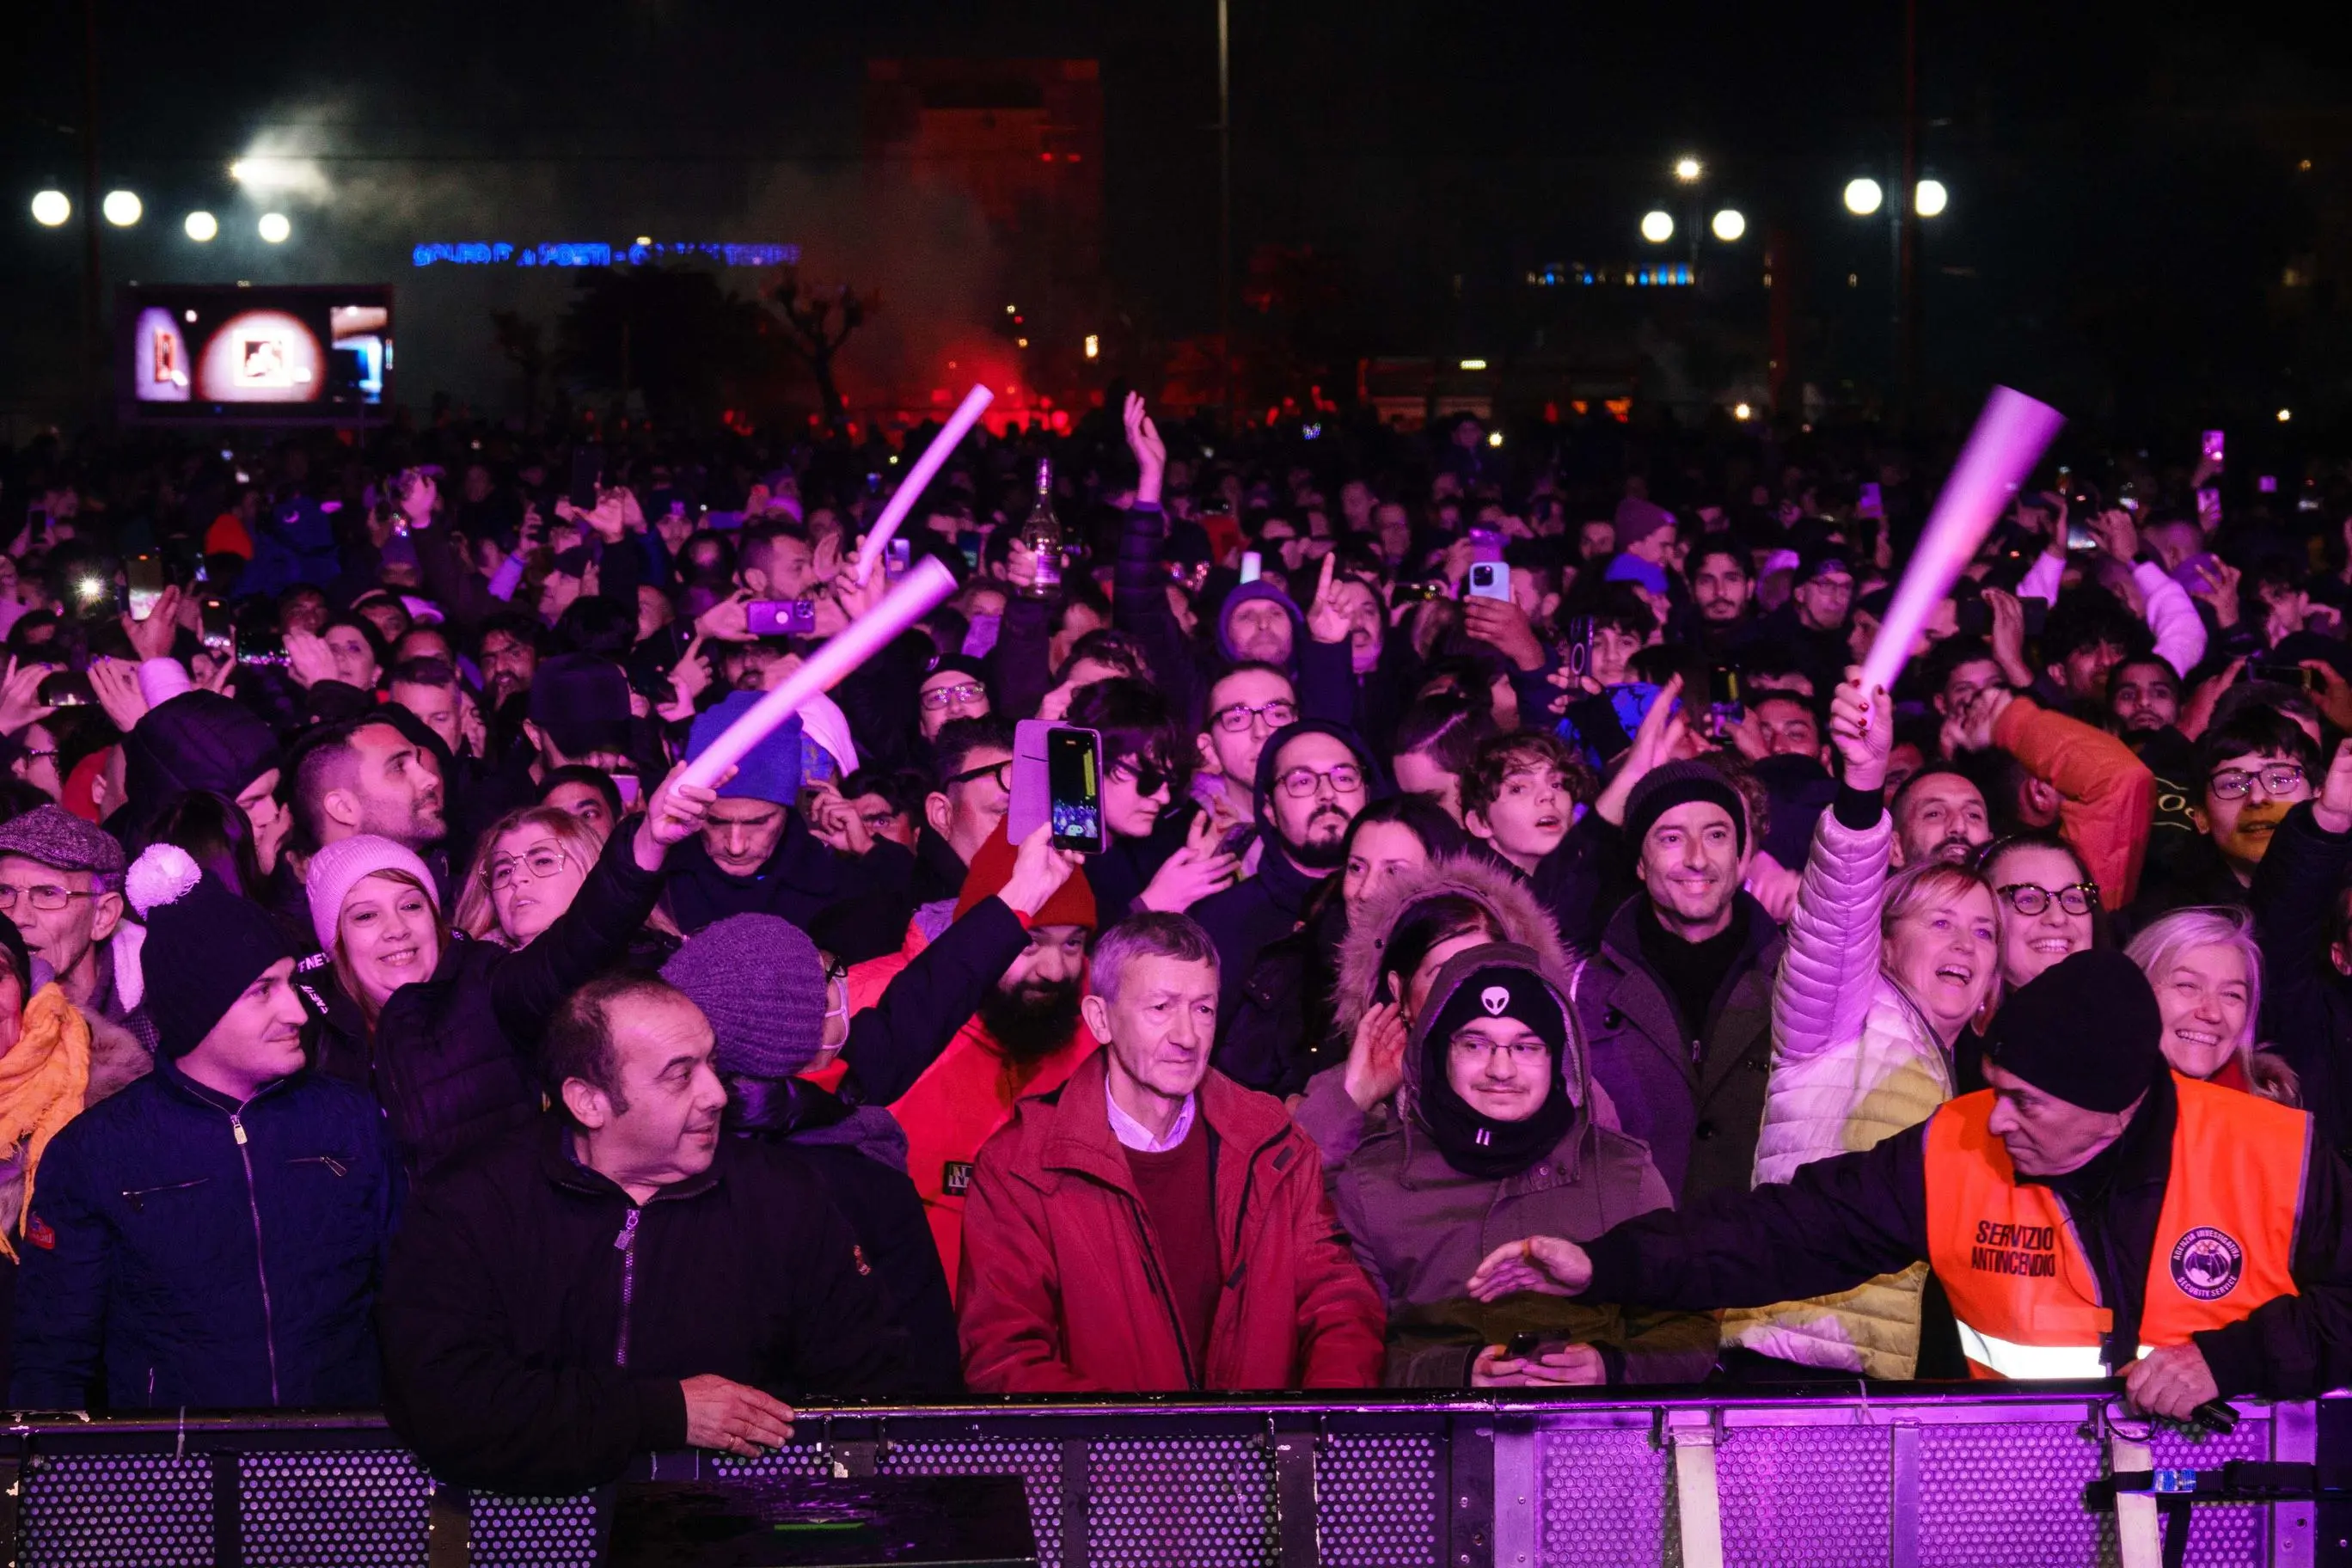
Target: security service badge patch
(2207, 1262)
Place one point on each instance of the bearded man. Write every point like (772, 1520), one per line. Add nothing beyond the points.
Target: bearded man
(1025, 1038)
(1312, 780)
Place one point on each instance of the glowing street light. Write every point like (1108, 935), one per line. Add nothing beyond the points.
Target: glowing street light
(51, 208)
(1494, 438)
(1657, 227)
(1689, 169)
(1742, 412)
(2285, 414)
(122, 208)
(1094, 346)
(1862, 198)
(1929, 198)
(1473, 364)
(1730, 224)
(202, 227)
(273, 228)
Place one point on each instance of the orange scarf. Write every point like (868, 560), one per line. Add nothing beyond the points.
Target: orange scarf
(44, 1079)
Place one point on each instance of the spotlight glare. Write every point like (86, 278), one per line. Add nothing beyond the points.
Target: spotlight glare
(122, 208)
(2285, 414)
(1473, 364)
(1862, 196)
(202, 226)
(1495, 438)
(1742, 412)
(1929, 198)
(1687, 169)
(273, 228)
(1657, 227)
(1094, 346)
(1730, 224)
(51, 208)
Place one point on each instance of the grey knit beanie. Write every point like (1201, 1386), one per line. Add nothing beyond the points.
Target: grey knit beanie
(760, 981)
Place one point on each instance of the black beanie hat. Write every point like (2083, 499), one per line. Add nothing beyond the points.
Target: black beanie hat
(201, 947)
(1678, 783)
(2085, 1030)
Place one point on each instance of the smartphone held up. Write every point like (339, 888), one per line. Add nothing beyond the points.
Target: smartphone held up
(1057, 780)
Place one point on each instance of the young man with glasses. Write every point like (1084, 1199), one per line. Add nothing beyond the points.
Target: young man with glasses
(1312, 780)
(2255, 768)
(955, 689)
(61, 884)
(1246, 704)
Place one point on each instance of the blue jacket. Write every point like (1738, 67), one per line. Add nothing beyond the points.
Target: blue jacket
(182, 1250)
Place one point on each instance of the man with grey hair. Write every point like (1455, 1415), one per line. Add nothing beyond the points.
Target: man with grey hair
(1153, 1224)
(61, 883)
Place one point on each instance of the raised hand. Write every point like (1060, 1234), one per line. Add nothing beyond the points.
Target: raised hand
(1038, 872)
(2009, 636)
(1150, 451)
(307, 661)
(1192, 873)
(1659, 736)
(1505, 628)
(20, 697)
(1325, 621)
(152, 638)
(1862, 728)
(674, 810)
(115, 683)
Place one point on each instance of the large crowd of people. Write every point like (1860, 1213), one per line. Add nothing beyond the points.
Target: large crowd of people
(1524, 953)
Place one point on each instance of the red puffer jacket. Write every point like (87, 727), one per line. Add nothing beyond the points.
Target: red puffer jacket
(1063, 1290)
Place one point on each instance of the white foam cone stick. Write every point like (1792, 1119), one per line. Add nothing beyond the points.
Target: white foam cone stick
(901, 607)
(902, 499)
(2011, 436)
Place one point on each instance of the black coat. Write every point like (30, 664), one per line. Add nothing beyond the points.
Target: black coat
(453, 1062)
(184, 1251)
(2306, 1004)
(1848, 1218)
(536, 1322)
(882, 1206)
(1276, 941)
(802, 878)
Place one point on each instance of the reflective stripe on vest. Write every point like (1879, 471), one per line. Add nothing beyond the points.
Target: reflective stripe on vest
(2025, 1296)
(2006, 1358)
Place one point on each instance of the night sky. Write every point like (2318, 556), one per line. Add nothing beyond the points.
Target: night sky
(2126, 182)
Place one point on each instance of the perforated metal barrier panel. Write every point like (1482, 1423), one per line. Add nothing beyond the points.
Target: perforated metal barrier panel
(1911, 1480)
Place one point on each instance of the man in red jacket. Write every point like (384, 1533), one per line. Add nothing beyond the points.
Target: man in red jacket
(1153, 1224)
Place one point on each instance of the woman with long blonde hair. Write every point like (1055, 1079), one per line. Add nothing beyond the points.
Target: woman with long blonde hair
(2207, 971)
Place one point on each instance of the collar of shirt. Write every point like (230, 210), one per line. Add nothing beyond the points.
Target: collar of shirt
(1135, 1135)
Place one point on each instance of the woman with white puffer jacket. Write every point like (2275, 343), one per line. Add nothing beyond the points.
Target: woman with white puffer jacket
(1878, 982)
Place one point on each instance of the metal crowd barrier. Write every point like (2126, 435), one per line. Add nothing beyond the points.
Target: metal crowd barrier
(1912, 1476)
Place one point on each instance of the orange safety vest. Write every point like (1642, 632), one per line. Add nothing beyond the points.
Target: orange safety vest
(2027, 1301)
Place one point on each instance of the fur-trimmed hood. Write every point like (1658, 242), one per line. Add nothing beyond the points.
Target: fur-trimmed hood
(1519, 916)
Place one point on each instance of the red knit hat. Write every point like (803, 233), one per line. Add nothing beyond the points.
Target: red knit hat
(1073, 904)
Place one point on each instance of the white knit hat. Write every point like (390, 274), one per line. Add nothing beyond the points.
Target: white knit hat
(335, 869)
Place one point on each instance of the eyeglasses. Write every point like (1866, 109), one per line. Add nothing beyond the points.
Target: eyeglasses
(1481, 1050)
(1148, 778)
(1345, 779)
(836, 976)
(45, 896)
(939, 697)
(2026, 899)
(2276, 779)
(1235, 717)
(1003, 777)
(543, 862)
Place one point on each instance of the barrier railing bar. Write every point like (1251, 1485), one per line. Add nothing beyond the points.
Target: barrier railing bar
(1515, 1498)
(1903, 1504)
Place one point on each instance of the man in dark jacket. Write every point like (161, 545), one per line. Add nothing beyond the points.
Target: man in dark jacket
(2194, 1240)
(1677, 1000)
(757, 855)
(621, 1278)
(1312, 780)
(213, 1235)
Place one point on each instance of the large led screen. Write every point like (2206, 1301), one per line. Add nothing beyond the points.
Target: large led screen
(255, 355)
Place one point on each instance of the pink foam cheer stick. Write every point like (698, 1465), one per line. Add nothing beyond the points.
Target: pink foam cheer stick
(2011, 436)
(902, 499)
(901, 607)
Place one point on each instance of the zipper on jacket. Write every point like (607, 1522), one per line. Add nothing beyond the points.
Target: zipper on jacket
(327, 1160)
(626, 1242)
(1160, 1290)
(260, 1262)
(133, 1195)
